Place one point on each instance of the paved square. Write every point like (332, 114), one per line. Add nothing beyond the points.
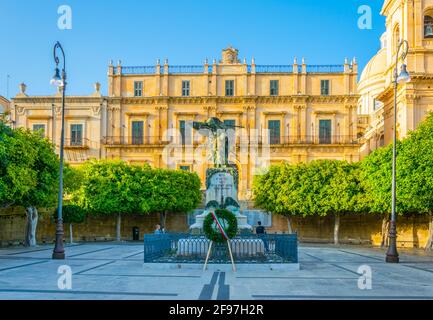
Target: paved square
(115, 271)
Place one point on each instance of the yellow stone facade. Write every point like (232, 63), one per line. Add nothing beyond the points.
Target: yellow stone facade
(411, 21)
(312, 110)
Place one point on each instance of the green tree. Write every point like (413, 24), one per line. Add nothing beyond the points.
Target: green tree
(73, 177)
(415, 173)
(165, 191)
(71, 214)
(17, 178)
(320, 188)
(344, 193)
(28, 174)
(376, 175)
(109, 188)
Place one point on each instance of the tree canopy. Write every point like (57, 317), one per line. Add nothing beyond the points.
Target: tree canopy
(318, 188)
(112, 187)
(29, 169)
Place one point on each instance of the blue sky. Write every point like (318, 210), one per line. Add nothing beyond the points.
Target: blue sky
(186, 32)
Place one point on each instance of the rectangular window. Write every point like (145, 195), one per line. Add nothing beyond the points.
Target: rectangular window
(138, 88)
(76, 134)
(182, 128)
(325, 131)
(377, 105)
(185, 88)
(274, 84)
(274, 131)
(39, 128)
(231, 123)
(137, 132)
(324, 87)
(230, 88)
(185, 168)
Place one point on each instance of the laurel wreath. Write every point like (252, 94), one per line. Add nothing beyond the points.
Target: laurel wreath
(228, 221)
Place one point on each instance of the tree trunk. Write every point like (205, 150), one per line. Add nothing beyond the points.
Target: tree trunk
(162, 219)
(118, 225)
(32, 222)
(429, 245)
(70, 234)
(336, 229)
(289, 224)
(385, 232)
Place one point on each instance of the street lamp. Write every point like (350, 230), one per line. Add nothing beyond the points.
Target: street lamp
(403, 77)
(59, 80)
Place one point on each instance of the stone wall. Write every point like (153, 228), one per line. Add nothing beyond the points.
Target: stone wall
(356, 229)
(100, 228)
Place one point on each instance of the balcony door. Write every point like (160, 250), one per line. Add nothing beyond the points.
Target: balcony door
(325, 131)
(137, 132)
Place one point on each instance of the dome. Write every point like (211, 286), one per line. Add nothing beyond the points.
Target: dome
(375, 67)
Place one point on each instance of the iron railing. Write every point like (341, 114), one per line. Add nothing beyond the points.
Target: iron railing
(274, 68)
(308, 139)
(332, 68)
(185, 69)
(246, 248)
(188, 141)
(198, 69)
(77, 143)
(140, 70)
(134, 140)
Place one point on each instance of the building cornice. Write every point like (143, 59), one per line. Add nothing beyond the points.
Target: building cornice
(57, 99)
(239, 100)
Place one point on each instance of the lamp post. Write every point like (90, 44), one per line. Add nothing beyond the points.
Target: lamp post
(403, 77)
(59, 80)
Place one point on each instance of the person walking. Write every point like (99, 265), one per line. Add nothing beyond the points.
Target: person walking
(158, 229)
(261, 233)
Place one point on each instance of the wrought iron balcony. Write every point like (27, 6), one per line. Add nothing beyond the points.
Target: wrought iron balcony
(133, 140)
(308, 139)
(272, 141)
(77, 143)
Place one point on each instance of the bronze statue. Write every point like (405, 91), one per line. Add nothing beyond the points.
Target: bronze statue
(216, 128)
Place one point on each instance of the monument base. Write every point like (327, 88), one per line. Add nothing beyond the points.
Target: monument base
(197, 227)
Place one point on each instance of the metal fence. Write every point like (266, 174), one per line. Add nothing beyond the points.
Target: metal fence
(332, 68)
(274, 68)
(246, 248)
(185, 69)
(199, 69)
(139, 70)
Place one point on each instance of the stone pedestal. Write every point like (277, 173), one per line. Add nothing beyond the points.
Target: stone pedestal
(221, 192)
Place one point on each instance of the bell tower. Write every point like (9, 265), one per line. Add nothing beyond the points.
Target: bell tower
(410, 20)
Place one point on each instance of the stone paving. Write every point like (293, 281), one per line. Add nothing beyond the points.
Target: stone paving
(115, 271)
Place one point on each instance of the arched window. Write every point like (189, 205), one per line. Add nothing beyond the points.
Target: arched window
(428, 25)
(382, 141)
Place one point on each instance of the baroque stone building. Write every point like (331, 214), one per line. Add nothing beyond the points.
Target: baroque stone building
(294, 112)
(411, 21)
